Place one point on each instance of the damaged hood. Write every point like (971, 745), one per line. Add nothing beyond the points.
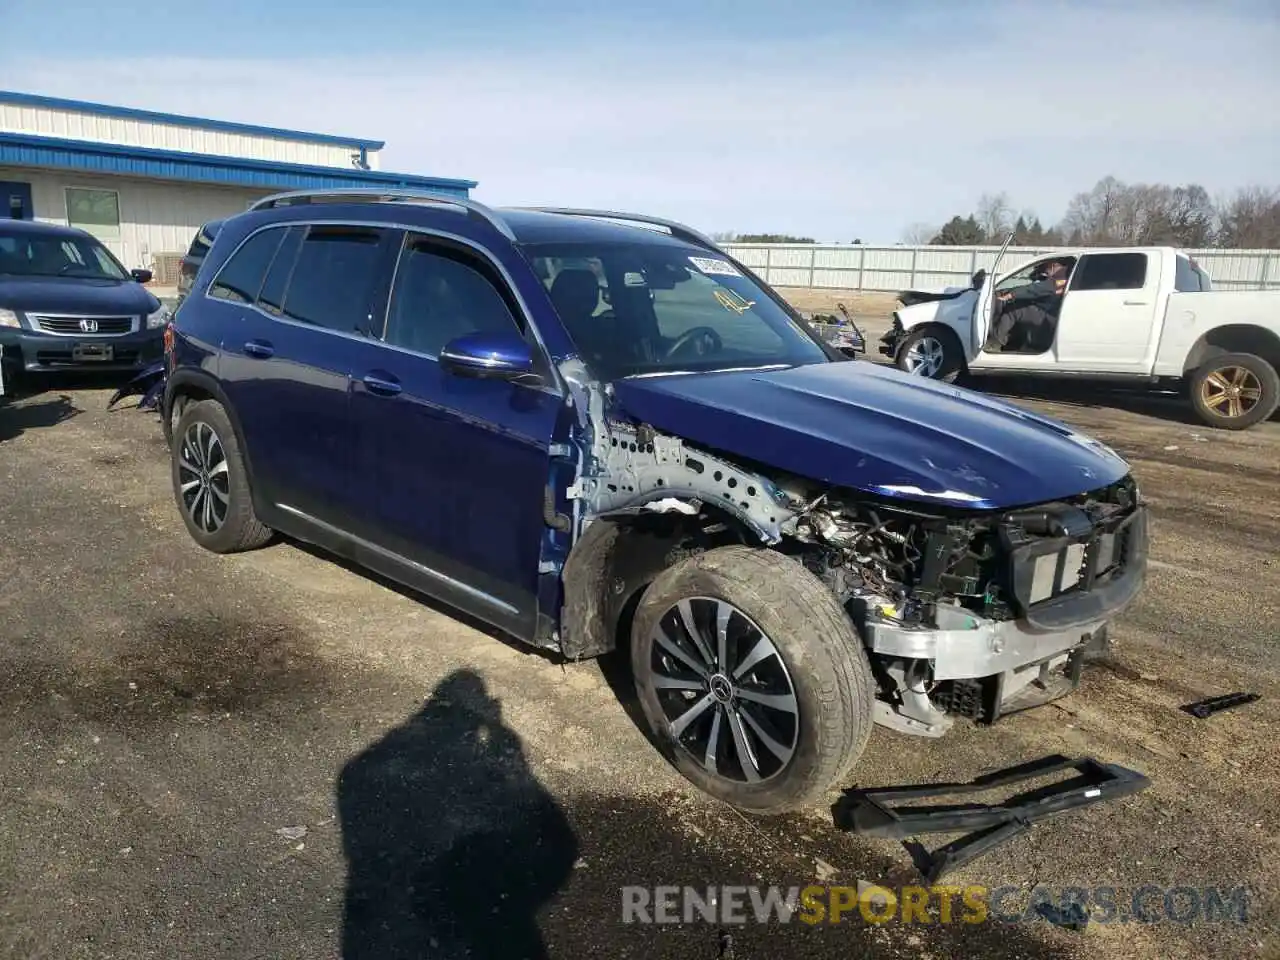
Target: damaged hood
(876, 429)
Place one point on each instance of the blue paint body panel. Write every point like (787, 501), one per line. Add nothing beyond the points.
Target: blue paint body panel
(458, 486)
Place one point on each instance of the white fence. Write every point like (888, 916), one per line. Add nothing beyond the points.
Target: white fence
(858, 267)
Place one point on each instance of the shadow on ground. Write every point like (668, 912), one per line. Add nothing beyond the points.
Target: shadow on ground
(17, 418)
(452, 843)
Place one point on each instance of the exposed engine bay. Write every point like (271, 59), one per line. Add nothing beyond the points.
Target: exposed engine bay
(963, 612)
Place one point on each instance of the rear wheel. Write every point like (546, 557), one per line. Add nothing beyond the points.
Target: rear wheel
(752, 678)
(931, 353)
(210, 483)
(1233, 391)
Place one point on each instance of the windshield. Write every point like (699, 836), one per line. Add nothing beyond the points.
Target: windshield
(33, 255)
(643, 308)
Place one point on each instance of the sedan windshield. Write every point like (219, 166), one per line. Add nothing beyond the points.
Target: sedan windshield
(660, 307)
(24, 254)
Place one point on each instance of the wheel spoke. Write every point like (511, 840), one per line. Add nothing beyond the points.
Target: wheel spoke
(762, 650)
(681, 723)
(724, 613)
(1233, 407)
(746, 756)
(1217, 380)
(189, 484)
(691, 628)
(222, 497)
(1238, 376)
(778, 701)
(220, 469)
(663, 639)
(713, 743)
(663, 682)
(1250, 393)
(782, 752)
(1216, 401)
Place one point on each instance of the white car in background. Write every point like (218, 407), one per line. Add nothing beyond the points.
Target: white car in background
(1145, 315)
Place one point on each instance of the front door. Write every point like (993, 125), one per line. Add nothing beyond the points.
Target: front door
(454, 469)
(1108, 313)
(15, 200)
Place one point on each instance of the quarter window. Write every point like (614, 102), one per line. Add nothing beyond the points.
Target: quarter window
(241, 276)
(333, 279)
(440, 295)
(271, 297)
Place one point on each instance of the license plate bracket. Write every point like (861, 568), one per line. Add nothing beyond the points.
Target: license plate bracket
(93, 352)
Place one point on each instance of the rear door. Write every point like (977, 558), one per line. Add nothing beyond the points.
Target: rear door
(286, 366)
(455, 469)
(1108, 313)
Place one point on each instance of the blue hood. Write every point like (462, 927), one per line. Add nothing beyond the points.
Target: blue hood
(75, 295)
(877, 429)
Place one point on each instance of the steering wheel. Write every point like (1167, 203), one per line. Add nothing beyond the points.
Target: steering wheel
(709, 336)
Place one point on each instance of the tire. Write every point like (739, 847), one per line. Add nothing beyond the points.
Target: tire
(816, 653)
(1214, 402)
(230, 524)
(931, 353)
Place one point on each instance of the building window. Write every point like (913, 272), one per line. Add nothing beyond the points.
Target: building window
(95, 211)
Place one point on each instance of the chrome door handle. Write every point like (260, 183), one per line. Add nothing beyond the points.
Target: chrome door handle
(260, 349)
(380, 385)
(1137, 303)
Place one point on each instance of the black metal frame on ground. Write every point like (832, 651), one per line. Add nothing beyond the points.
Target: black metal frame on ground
(868, 812)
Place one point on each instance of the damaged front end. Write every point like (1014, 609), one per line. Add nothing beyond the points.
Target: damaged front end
(149, 383)
(969, 612)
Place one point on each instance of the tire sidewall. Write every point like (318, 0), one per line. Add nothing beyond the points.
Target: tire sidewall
(1267, 377)
(240, 508)
(795, 784)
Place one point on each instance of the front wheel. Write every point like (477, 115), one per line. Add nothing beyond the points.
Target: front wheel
(1233, 391)
(931, 353)
(752, 678)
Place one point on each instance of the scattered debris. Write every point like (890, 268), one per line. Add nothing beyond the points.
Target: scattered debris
(1211, 705)
(292, 833)
(726, 946)
(865, 811)
(1172, 446)
(825, 870)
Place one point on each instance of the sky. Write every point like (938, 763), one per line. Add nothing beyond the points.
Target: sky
(832, 119)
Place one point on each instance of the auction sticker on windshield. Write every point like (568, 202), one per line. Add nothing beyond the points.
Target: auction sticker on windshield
(711, 266)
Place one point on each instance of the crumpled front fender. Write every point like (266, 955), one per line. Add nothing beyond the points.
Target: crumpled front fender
(149, 382)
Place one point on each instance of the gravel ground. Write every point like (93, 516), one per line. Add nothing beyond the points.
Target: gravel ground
(272, 755)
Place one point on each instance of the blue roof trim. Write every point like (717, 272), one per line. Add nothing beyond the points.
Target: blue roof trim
(24, 150)
(225, 126)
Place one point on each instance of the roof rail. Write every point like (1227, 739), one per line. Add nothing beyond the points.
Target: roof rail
(386, 195)
(677, 230)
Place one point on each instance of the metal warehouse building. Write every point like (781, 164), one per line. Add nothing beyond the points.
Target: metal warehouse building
(143, 182)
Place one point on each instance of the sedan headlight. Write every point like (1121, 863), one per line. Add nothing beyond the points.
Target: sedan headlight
(159, 318)
(9, 319)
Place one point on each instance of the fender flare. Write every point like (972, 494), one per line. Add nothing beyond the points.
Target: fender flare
(205, 383)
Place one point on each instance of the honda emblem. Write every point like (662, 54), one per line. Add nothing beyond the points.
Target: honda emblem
(88, 325)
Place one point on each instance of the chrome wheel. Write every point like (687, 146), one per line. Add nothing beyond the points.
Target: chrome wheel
(203, 481)
(724, 690)
(1231, 391)
(924, 357)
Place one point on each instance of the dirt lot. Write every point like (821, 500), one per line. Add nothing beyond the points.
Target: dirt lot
(168, 716)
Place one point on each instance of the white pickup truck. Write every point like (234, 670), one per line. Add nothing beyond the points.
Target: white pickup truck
(1140, 314)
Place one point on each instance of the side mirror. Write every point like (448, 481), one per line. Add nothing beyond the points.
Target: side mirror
(142, 276)
(978, 279)
(488, 356)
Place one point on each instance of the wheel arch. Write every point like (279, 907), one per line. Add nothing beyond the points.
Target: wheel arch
(1233, 338)
(943, 331)
(192, 386)
(618, 556)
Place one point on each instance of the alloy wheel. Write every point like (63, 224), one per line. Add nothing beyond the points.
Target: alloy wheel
(204, 483)
(924, 357)
(724, 690)
(1231, 391)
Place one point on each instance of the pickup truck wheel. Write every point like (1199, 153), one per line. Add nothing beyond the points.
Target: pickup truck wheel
(1233, 391)
(752, 678)
(931, 353)
(210, 483)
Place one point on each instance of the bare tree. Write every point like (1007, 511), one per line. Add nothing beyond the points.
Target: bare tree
(918, 234)
(1250, 219)
(995, 216)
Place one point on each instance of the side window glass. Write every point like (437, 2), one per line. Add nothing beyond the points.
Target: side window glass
(332, 281)
(1186, 278)
(1020, 277)
(241, 276)
(271, 298)
(438, 295)
(1111, 271)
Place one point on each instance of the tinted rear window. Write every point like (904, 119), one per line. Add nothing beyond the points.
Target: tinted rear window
(333, 278)
(1111, 271)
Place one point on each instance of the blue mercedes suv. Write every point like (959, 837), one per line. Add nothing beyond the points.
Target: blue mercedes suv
(598, 431)
(67, 303)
